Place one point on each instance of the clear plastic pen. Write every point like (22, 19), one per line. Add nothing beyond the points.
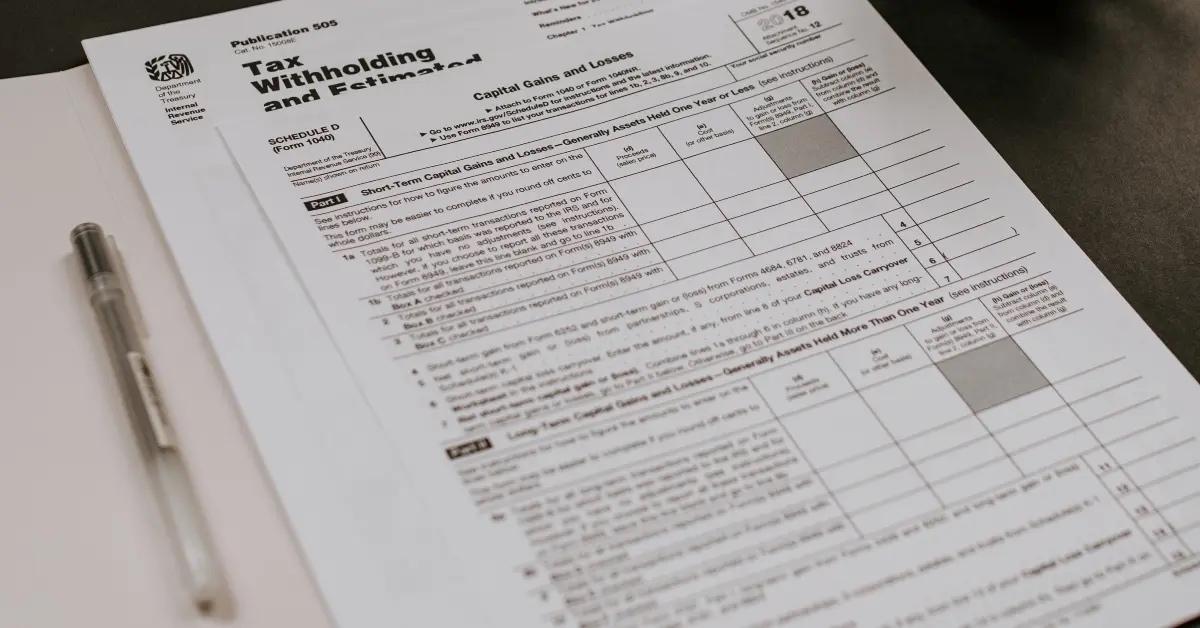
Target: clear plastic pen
(110, 299)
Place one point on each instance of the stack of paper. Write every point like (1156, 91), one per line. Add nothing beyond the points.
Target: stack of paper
(660, 313)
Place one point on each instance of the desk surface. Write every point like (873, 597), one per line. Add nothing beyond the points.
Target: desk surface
(1092, 102)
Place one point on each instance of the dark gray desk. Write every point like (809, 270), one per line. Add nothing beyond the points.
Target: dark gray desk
(1095, 103)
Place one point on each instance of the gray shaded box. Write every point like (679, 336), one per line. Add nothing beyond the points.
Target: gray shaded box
(806, 146)
(992, 374)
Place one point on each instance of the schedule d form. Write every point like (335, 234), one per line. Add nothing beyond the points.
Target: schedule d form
(731, 318)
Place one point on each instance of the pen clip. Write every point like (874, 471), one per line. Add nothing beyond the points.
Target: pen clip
(135, 309)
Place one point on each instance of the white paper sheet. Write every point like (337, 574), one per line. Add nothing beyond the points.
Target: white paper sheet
(80, 522)
(345, 491)
(733, 319)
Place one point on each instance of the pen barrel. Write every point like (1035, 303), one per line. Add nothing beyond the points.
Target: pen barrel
(193, 541)
(125, 351)
(156, 440)
(148, 419)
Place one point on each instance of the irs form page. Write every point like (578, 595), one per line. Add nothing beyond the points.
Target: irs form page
(731, 318)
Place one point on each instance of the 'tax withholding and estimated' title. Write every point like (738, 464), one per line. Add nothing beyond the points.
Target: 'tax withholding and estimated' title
(366, 72)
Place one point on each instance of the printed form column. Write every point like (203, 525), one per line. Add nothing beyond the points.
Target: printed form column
(1105, 412)
(855, 453)
(795, 137)
(851, 190)
(625, 161)
(674, 211)
(898, 387)
(747, 186)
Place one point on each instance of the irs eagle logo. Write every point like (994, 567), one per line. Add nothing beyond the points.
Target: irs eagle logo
(169, 67)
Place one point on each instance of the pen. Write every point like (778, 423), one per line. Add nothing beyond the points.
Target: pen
(156, 439)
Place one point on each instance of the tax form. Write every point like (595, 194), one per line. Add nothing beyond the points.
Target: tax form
(733, 319)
